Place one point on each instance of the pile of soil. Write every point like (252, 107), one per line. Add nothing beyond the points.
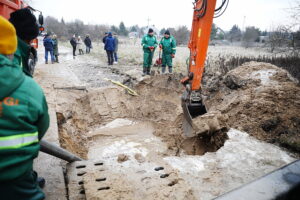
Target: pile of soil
(260, 99)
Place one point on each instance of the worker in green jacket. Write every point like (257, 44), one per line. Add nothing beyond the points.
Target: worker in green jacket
(27, 29)
(168, 46)
(149, 44)
(24, 120)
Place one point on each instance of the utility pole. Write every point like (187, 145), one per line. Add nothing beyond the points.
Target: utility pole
(148, 20)
(244, 21)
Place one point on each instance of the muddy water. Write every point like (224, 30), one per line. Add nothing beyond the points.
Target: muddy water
(126, 137)
(240, 160)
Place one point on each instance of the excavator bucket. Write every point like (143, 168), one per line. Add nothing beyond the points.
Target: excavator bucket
(191, 109)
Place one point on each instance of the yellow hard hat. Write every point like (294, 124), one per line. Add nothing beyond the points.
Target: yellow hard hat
(8, 37)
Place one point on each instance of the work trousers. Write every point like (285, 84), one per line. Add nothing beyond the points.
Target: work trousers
(148, 57)
(88, 49)
(51, 54)
(110, 57)
(74, 50)
(116, 56)
(24, 188)
(167, 61)
(80, 51)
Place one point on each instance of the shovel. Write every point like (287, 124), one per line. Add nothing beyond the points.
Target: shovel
(158, 61)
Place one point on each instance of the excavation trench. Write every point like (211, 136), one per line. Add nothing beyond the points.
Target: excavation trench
(139, 139)
(110, 114)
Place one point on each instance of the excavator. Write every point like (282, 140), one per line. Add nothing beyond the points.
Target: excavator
(192, 100)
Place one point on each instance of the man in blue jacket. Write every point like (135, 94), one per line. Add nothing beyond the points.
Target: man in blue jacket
(110, 48)
(48, 44)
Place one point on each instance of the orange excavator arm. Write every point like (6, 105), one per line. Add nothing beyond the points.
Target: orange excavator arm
(192, 103)
(199, 39)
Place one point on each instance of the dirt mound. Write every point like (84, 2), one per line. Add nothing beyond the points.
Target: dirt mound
(261, 99)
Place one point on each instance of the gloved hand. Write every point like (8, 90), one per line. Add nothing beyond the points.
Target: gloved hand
(151, 48)
(173, 55)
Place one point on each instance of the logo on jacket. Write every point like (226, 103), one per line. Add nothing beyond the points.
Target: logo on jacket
(8, 101)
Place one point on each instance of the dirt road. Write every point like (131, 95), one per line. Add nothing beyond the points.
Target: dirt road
(139, 138)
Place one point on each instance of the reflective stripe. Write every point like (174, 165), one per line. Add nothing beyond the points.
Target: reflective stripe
(21, 63)
(174, 48)
(18, 141)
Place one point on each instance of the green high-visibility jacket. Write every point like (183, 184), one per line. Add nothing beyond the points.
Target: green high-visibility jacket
(21, 56)
(149, 41)
(24, 120)
(168, 45)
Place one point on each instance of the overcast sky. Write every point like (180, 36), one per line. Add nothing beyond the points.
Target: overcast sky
(165, 13)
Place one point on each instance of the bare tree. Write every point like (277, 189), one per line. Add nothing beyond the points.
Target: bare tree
(286, 38)
(279, 39)
(235, 34)
(54, 26)
(250, 36)
(181, 34)
(295, 13)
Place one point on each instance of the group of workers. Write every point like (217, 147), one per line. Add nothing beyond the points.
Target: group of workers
(76, 43)
(24, 117)
(149, 42)
(167, 45)
(51, 46)
(111, 43)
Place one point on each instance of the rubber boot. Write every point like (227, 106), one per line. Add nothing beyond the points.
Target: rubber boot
(144, 71)
(41, 182)
(163, 69)
(170, 70)
(148, 70)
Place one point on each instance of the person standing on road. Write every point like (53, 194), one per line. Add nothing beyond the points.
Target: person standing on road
(24, 120)
(116, 48)
(48, 44)
(73, 42)
(27, 29)
(149, 44)
(104, 38)
(110, 48)
(88, 43)
(168, 46)
(79, 45)
(55, 48)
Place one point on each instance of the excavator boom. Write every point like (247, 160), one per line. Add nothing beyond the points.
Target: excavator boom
(192, 102)
(199, 39)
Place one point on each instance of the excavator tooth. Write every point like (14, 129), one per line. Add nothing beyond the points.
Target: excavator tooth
(190, 111)
(187, 121)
